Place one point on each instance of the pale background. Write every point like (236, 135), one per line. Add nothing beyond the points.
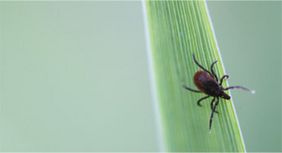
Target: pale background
(74, 75)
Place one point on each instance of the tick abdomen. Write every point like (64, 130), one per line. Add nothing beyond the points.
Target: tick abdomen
(206, 83)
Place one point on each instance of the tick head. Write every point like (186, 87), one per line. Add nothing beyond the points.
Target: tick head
(224, 95)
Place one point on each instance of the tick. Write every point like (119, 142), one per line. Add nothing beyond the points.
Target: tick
(208, 83)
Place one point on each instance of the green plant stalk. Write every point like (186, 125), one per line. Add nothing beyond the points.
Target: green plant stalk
(177, 29)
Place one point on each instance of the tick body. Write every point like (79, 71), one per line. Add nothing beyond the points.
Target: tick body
(208, 83)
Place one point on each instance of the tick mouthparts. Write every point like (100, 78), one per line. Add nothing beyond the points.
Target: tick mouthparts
(225, 96)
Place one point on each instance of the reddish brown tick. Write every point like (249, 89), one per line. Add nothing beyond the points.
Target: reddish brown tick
(207, 82)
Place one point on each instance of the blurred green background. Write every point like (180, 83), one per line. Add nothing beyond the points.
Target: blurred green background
(74, 75)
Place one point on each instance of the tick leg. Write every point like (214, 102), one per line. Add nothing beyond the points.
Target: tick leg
(199, 101)
(212, 105)
(201, 65)
(222, 78)
(212, 70)
(212, 113)
(240, 87)
(190, 89)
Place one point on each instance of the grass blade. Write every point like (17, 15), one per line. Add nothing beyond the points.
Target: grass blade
(177, 29)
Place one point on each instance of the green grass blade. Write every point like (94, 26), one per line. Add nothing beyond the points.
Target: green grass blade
(176, 30)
